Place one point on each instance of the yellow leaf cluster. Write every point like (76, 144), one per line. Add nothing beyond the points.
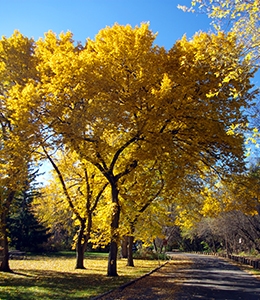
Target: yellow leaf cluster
(239, 16)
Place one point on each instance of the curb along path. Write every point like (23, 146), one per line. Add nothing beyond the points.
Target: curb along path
(158, 284)
(191, 276)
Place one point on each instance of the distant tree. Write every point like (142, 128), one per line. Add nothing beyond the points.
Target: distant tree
(232, 232)
(234, 227)
(51, 211)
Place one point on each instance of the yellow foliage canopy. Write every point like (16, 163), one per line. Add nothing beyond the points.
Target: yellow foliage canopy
(121, 103)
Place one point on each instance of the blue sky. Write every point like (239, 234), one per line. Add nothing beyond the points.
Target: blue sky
(84, 18)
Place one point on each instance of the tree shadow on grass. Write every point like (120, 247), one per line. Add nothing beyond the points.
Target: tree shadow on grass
(45, 284)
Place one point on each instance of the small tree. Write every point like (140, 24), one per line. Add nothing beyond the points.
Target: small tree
(81, 187)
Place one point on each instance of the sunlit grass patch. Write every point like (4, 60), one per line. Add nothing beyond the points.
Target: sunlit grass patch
(55, 277)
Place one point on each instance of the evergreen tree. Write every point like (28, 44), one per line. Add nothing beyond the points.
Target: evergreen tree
(26, 232)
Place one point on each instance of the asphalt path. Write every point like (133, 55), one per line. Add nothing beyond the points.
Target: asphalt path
(210, 277)
(192, 276)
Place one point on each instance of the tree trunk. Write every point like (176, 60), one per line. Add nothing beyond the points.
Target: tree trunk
(81, 246)
(80, 256)
(112, 258)
(214, 246)
(130, 260)
(3, 228)
(155, 246)
(124, 244)
(4, 266)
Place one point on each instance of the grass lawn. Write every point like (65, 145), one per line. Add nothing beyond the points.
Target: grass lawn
(55, 277)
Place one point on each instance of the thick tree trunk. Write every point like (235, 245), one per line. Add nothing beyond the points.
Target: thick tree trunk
(130, 260)
(112, 258)
(80, 257)
(81, 246)
(4, 266)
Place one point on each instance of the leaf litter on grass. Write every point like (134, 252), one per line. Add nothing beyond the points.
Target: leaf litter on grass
(56, 278)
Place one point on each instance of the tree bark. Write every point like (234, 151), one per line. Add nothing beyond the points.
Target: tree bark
(155, 246)
(112, 258)
(124, 244)
(4, 266)
(130, 260)
(81, 246)
(80, 257)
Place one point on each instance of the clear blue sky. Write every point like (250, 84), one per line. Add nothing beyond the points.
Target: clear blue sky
(84, 18)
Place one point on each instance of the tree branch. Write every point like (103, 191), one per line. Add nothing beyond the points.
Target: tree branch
(64, 187)
(121, 149)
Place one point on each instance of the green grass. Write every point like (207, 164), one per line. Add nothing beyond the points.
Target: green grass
(54, 277)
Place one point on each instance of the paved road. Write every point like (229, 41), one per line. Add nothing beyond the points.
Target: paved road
(191, 276)
(210, 277)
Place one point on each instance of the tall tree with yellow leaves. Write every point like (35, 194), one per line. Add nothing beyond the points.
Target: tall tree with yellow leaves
(121, 100)
(17, 68)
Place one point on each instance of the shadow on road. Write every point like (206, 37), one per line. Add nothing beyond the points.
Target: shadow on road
(213, 278)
